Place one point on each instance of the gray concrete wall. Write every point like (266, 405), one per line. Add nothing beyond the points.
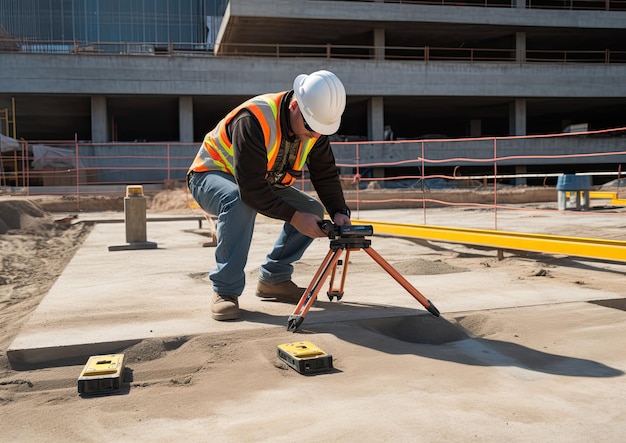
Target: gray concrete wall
(103, 74)
(128, 163)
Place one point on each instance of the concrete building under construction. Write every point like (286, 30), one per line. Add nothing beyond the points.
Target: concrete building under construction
(413, 70)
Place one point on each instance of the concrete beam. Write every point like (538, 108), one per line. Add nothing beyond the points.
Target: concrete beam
(398, 12)
(50, 74)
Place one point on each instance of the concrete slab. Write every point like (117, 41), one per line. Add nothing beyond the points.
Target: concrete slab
(108, 300)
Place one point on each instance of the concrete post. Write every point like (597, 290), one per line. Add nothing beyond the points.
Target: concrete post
(135, 215)
(135, 221)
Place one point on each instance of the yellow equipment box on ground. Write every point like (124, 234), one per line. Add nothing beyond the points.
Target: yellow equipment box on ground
(102, 374)
(305, 357)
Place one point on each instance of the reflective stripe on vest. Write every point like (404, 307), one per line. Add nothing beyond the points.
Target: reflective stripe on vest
(216, 152)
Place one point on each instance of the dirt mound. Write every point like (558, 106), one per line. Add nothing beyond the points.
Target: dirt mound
(36, 246)
(618, 186)
(21, 214)
(618, 183)
(176, 200)
(172, 200)
(72, 204)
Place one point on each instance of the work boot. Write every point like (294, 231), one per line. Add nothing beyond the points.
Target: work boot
(286, 291)
(225, 307)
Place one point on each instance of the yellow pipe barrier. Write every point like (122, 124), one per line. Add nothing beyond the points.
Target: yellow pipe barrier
(601, 194)
(608, 195)
(549, 244)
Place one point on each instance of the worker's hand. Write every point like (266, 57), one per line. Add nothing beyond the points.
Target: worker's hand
(341, 219)
(306, 224)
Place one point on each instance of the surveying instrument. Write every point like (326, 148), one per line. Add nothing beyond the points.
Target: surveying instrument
(344, 239)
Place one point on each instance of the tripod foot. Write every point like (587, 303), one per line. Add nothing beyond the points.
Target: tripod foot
(294, 322)
(334, 294)
(432, 309)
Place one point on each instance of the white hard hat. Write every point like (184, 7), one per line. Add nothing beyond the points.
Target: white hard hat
(322, 100)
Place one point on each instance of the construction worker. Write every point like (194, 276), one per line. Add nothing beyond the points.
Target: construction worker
(247, 165)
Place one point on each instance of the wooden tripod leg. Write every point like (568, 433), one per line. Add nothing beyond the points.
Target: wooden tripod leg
(310, 295)
(403, 281)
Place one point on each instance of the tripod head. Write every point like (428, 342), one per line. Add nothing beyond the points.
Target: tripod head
(352, 231)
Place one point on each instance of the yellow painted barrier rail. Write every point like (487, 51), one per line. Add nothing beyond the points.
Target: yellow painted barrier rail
(608, 196)
(549, 244)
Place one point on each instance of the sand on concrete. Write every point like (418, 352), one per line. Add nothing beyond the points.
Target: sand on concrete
(518, 371)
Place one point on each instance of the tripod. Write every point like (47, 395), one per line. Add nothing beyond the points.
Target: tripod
(352, 241)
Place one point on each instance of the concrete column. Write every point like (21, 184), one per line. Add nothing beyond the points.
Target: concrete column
(521, 181)
(517, 117)
(379, 44)
(517, 126)
(185, 119)
(99, 119)
(520, 47)
(375, 119)
(376, 129)
(476, 128)
(521, 4)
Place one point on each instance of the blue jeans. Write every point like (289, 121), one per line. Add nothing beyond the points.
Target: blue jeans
(218, 194)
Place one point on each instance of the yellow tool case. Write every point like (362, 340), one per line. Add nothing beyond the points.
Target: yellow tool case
(102, 374)
(305, 357)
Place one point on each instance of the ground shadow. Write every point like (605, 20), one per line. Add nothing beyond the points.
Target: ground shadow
(437, 338)
(614, 303)
(419, 333)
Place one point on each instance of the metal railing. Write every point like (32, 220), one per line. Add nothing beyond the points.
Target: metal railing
(419, 172)
(593, 5)
(328, 51)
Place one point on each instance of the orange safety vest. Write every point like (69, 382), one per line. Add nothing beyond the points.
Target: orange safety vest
(216, 152)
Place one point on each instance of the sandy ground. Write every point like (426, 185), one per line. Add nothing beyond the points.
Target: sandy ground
(549, 372)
